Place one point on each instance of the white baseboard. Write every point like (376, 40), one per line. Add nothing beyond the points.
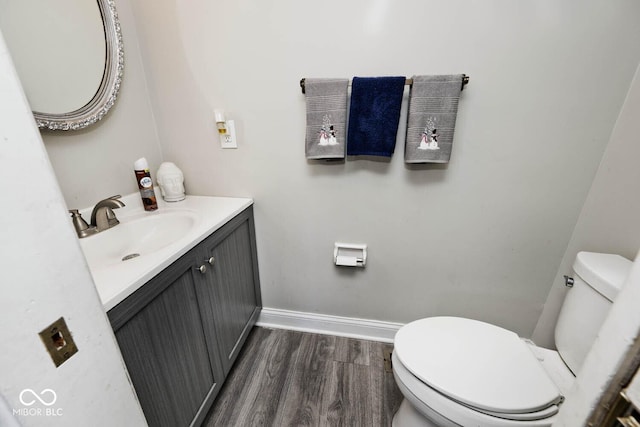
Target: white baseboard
(373, 330)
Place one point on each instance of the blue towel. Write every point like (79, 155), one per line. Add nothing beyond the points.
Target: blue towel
(374, 115)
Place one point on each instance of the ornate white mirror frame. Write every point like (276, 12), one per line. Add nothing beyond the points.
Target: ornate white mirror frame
(107, 92)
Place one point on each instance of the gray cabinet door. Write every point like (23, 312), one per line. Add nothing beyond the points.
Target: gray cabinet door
(164, 348)
(230, 302)
(180, 333)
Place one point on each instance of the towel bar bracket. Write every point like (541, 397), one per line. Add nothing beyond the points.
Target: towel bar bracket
(465, 81)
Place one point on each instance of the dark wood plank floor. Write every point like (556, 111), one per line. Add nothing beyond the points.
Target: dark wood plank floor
(288, 378)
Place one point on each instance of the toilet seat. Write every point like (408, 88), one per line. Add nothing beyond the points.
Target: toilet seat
(444, 411)
(481, 366)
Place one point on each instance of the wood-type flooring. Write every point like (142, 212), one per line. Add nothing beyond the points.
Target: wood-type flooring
(289, 378)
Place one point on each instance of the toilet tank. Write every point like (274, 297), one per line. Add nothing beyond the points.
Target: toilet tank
(597, 281)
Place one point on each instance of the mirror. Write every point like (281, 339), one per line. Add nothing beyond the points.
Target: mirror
(69, 56)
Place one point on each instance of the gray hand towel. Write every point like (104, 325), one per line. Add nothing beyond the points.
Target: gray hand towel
(326, 118)
(433, 105)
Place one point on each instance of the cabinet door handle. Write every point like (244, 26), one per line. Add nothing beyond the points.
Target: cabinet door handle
(202, 269)
(211, 260)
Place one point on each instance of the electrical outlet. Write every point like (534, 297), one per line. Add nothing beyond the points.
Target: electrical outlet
(58, 341)
(228, 139)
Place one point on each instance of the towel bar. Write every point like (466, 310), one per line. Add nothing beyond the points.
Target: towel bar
(465, 81)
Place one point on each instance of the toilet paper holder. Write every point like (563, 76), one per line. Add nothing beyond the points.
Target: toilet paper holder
(350, 254)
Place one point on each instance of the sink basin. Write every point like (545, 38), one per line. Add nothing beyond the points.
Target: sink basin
(137, 236)
(125, 257)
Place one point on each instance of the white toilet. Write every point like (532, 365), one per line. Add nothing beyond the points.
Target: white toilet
(454, 371)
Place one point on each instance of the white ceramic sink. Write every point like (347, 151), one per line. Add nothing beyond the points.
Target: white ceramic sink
(137, 236)
(127, 256)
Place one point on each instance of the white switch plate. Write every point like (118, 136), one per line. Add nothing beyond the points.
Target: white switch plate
(228, 140)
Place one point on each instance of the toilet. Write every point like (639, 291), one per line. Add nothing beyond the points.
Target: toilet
(454, 371)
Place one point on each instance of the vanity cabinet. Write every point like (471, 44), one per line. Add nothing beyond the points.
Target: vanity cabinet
(180, 333)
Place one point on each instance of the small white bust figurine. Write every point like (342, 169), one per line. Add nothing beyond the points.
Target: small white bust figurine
(171, 182)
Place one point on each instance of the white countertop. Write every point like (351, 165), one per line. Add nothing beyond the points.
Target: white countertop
(115, 282)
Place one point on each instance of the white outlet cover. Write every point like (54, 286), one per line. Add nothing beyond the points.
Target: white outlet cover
(229, 139)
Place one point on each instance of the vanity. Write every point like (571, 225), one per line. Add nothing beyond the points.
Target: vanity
(180, 285)
(183, 307)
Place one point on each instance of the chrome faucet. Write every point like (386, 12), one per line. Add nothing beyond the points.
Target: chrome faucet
(102, 217)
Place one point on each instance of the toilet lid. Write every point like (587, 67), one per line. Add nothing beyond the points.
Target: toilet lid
(478, 364)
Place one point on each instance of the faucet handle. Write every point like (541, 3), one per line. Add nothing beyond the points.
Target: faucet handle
(116, 197)
(78, 221)
(80, 225)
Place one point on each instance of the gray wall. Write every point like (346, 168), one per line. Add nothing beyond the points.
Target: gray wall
(482, 237)
(609, 219)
